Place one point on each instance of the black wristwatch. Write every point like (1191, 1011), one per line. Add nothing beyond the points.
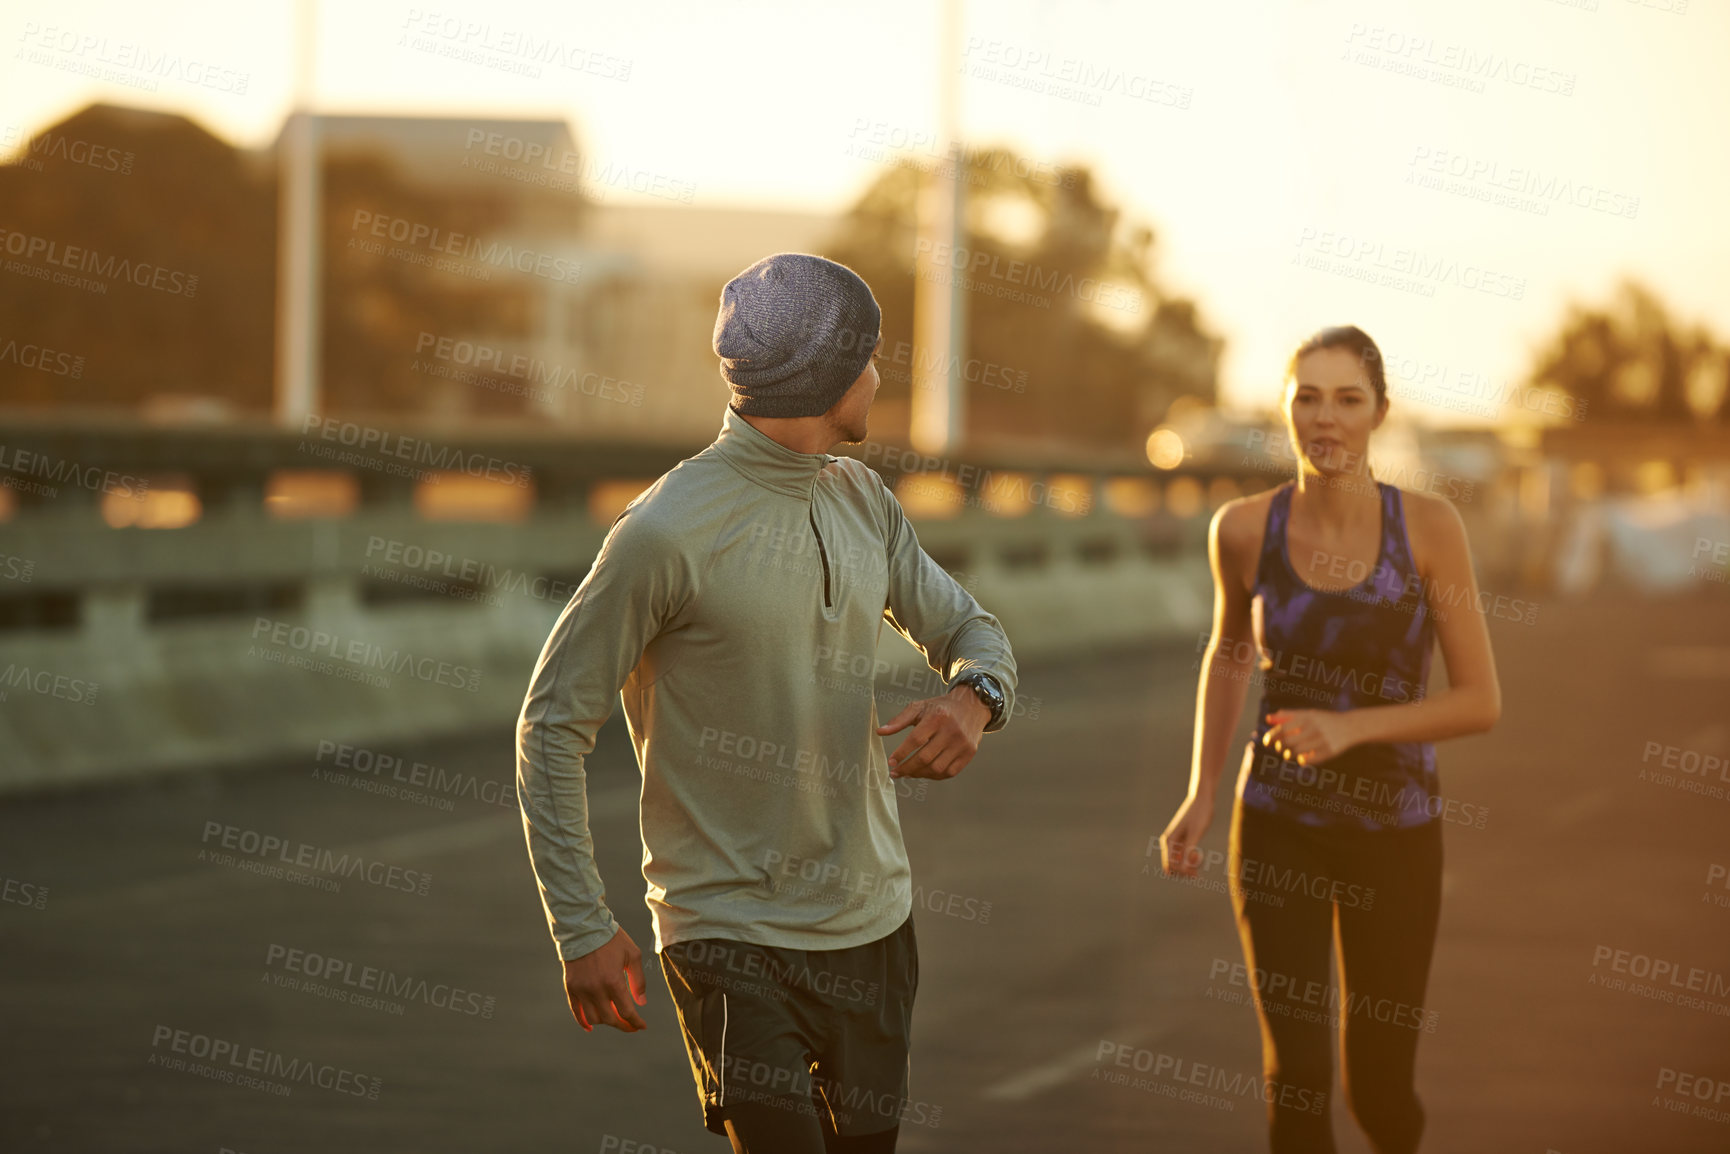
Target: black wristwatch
(985, 687)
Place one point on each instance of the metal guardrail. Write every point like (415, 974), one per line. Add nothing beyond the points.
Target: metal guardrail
(60, 473)
(192, 643)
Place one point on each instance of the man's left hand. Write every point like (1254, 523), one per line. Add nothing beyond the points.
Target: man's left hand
(945, 734)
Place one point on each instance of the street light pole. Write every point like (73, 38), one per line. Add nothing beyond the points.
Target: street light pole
(298, 242)
(939, 411)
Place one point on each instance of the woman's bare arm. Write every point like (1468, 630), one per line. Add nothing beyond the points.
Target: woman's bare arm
(1227, 666)
(1229, 662)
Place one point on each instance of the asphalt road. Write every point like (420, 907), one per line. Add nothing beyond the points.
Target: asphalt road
(1581, 989)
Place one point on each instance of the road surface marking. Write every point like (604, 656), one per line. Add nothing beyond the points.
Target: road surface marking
(1577, 808)
(1689, 661)
(1058, 1071)
(448, 837)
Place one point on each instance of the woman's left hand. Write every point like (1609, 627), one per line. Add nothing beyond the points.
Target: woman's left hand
(1308, 736)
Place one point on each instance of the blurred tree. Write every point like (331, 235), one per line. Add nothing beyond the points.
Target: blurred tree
(1630, 360)
(1098, 365)
(179, 197)
(175, 196)
(377, 303)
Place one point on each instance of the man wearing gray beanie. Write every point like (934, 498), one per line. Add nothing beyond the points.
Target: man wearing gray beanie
(735, 607)
(793, 334)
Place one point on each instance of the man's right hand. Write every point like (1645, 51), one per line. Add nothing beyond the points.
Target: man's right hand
(597, 985)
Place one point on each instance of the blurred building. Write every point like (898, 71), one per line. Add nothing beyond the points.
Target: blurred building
(1634, 506)
(539, 158)
(651, 319)
(622, 349)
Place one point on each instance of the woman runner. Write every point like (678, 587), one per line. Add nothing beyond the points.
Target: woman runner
(1332, 589)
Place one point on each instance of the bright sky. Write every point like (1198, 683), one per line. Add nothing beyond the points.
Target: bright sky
(1277, 147)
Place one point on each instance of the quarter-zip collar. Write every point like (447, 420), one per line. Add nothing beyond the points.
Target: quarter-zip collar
(767, 461)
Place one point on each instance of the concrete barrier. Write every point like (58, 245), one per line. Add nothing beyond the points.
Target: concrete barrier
(243, 637)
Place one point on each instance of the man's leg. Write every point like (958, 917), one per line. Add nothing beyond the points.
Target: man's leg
(1286, 938)
(795, 1127)
(749, 1044)
(864, 1072)
(776, 1127)
(879, 1143)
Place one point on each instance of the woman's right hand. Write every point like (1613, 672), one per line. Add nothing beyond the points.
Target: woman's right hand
(1180, 844)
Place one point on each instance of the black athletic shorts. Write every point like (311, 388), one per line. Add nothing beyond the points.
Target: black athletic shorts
(822, 1032)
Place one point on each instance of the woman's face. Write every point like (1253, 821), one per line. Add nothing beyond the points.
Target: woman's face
(1330, 411)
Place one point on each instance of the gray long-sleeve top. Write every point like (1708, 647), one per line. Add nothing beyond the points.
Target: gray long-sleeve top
(737, 604)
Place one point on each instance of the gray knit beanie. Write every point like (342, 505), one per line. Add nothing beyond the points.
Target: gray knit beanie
(793, 334)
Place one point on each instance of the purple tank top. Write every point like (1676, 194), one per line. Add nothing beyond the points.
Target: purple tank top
(1351, 648)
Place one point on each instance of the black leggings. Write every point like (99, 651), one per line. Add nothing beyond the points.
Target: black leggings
(781, 1128)
(1378, 895)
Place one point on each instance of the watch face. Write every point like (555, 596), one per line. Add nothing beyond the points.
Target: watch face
(985, 687)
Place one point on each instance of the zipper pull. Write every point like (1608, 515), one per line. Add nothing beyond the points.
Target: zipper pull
(821, 554)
